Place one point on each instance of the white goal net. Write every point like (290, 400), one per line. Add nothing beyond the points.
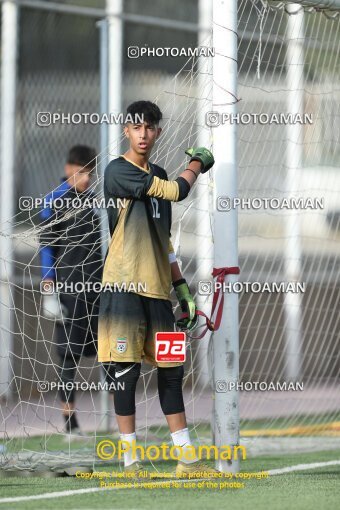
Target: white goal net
(288, 125)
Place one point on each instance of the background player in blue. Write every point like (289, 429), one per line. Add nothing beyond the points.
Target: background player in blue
(71, 253)
(140, 251)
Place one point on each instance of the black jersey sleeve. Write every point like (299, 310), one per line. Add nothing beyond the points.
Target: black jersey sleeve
(124, 180)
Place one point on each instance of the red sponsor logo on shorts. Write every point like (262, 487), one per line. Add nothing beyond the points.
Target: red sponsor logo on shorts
(170, 346)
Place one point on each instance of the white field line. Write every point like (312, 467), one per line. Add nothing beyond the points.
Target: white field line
(272, 472)
(303, 467)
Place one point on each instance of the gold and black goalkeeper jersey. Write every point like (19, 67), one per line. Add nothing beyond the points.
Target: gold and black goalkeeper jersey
(138, 255)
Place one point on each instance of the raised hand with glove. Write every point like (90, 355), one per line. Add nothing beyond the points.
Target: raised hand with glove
(203, 155)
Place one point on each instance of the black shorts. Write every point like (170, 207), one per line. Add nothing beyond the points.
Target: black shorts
(77, 335)
(127, 326)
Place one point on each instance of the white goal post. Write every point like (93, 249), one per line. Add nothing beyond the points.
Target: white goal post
(226, 343)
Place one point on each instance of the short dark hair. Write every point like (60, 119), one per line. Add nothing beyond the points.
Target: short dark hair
(149, 110)
(82, 155)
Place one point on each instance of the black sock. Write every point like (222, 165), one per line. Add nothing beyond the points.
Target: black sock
(71, 422)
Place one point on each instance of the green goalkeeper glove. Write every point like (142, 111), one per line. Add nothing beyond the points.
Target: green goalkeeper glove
(203, 155)
(187, 304)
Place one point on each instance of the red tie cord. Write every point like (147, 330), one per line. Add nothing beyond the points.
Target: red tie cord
(220, 273)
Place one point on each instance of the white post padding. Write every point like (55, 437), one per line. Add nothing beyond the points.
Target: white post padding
(9, 34)
(114, 10)
(226, 348)
(294, 163)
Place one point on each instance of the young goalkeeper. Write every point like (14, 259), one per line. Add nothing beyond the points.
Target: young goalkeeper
(140, 251)
(71, 254)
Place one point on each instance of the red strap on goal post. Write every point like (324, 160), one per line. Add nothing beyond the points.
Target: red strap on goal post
(220, 273)
(211, 325)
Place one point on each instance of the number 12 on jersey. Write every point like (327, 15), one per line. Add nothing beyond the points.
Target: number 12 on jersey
(155, 208)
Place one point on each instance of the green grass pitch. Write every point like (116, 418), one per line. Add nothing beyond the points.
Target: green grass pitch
(315, 489)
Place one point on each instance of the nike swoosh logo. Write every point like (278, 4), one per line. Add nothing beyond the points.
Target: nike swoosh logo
(122, 372)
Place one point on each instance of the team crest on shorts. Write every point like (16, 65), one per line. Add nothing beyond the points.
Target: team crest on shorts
(121, 344)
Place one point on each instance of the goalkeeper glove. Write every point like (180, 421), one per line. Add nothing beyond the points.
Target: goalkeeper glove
(203, 155)
(187, 304)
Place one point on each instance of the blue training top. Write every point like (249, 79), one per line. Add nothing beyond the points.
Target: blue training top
(47, 252)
